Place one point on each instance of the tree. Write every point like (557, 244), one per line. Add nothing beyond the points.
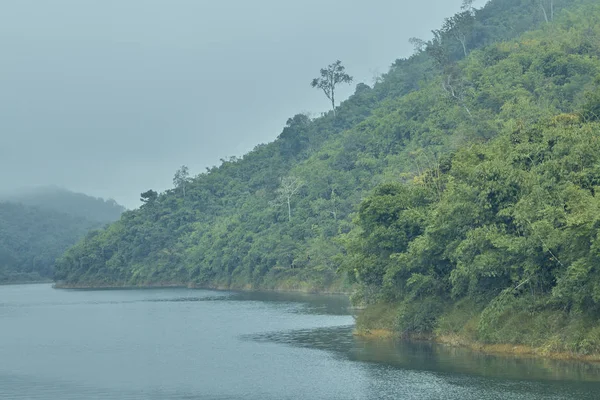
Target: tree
(331, 76)
(181, 178)
(591, 106)
(288, 188)
(334, 205)
(294, 136)
(467, 5)
(148, 196)
(458, 89)
(548, 14)
(437, 50)
(418, 44)
(460, 27)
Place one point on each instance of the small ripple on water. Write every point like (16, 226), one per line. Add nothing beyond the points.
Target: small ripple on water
(117, 302)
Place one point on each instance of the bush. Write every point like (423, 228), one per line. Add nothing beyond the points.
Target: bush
(419, 317)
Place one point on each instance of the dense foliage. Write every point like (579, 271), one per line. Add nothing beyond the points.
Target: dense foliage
(34, 232)
(466, 176)
(32, 238)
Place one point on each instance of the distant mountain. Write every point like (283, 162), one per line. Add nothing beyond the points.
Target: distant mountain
(37, 226)
(71, 203)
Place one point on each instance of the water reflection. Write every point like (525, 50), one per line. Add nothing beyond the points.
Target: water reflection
(424, 356)
(311, 303)
(441, 358)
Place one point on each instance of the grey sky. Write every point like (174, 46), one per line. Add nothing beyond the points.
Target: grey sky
(110, 97)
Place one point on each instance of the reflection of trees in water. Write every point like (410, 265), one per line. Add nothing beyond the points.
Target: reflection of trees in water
(338, 340)
(425, 356)
(403, 369)
(312, 303)
(453, 369)
(440, 358)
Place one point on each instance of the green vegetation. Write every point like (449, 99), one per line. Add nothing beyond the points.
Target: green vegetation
(34, 233)
(458, 195)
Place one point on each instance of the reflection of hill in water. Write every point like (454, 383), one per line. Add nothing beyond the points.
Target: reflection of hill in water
(425, 356)
(338, 340)
(311, 303)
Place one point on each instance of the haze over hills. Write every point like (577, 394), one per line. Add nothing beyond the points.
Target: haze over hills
(68, 202)
(110, 109)
(38, 225)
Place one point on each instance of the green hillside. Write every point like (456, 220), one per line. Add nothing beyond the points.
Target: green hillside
(38, 226)
(458, 192)
(32, 238)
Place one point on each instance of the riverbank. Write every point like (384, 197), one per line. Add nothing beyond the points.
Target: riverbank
(339, 288)
(34, 282)
(541, 333)
(519, 351)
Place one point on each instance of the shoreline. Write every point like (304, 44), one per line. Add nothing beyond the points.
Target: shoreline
(246, 288)
(26, 282)
(504, 350)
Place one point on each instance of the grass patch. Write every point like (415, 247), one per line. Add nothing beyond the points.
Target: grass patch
(377, 317)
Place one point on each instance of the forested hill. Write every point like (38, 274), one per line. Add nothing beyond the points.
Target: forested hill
(433, 159)
(42, 226)
(68, 202)
(31, 238)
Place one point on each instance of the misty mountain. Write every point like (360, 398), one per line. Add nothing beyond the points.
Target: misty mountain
(65, 201)
(38, 225)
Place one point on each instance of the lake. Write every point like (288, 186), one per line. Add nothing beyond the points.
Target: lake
(199, 344)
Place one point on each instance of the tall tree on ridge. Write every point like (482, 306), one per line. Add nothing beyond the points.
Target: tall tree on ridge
(181, 178)
(331, 76)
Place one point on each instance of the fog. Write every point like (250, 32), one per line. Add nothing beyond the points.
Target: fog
(110, 97)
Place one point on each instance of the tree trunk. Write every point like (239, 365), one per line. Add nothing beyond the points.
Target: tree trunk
(468, 111)
(333, 102)
(464, 46)
(289, 210)
(544, 10)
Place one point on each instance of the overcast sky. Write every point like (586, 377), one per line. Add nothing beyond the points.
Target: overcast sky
(110, 97)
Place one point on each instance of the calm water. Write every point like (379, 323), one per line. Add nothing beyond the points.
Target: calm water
(196, 344)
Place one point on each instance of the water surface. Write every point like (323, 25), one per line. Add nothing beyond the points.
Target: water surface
(197, 344)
